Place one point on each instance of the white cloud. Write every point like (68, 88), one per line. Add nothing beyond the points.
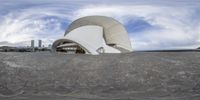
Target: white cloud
(26, 24)
(178, 28)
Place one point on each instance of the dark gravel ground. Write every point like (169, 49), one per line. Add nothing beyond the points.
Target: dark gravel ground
(132, 76)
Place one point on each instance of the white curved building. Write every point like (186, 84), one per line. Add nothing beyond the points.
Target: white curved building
(94, 35)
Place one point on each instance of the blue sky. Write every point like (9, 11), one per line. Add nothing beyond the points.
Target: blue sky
(151, 24)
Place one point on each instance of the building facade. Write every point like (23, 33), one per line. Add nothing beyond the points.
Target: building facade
(94, 35)
(39, 43)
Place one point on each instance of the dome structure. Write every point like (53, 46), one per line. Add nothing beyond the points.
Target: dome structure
(94, 35)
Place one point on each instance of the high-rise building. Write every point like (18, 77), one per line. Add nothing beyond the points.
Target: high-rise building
(39, 43)
(32, 43)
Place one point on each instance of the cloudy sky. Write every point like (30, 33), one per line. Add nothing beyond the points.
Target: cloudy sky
(151, 24)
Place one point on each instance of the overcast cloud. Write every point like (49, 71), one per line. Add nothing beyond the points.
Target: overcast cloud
(156, 24)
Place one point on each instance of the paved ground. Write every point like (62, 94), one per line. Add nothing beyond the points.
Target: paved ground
(133, 76)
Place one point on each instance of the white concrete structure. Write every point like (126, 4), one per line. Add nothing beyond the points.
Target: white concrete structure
(94, 35)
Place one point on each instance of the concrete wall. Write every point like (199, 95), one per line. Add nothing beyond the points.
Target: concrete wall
(89, 37)
(114, 32)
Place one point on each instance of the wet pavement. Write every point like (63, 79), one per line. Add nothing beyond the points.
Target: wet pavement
(131, 76)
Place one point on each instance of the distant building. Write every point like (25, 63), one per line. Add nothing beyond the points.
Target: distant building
(39, 43)
(7, 49)
(49, 46)
(32, 45)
